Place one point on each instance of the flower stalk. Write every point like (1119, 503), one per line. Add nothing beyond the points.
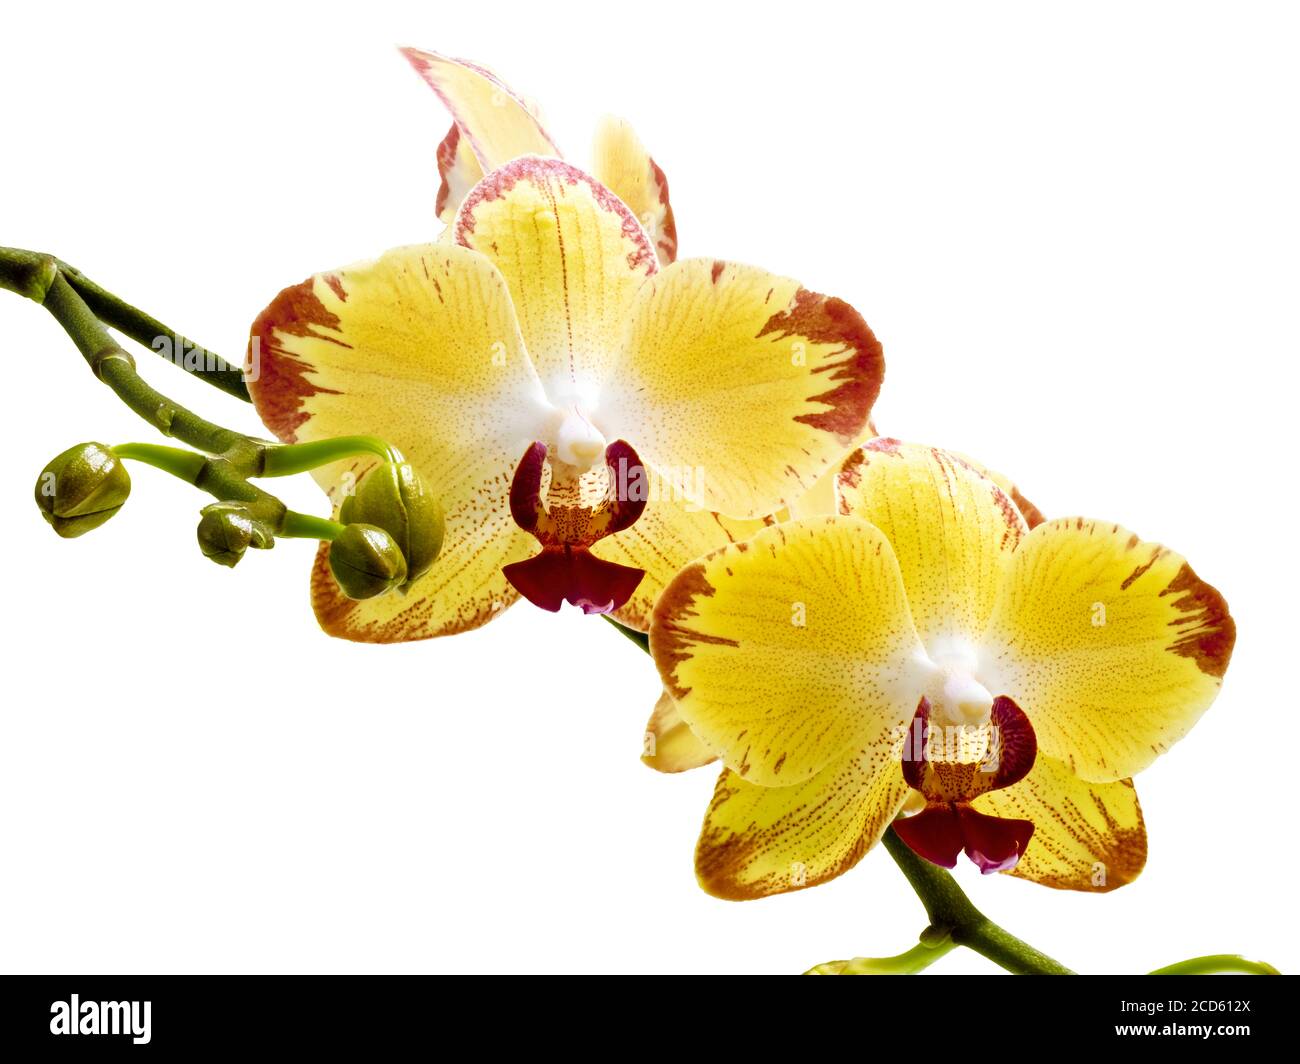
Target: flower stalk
(31, 274)
(224, 462)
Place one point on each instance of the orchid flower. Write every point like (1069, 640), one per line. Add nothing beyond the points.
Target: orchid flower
(668, 744)
(547, 319)
(923, 651)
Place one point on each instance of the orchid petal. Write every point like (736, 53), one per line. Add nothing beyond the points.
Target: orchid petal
(458, 172)
(496, 123)
(1113, 646)
(952, 529)
(621, 164)
(759, 841)
(671, 746)
(792, 649)
(756, 382)
(573, 256)
(1090, 836)
(421, 348)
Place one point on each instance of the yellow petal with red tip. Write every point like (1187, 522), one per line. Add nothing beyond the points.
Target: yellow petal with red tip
(790, 650)
(1113, 646)
(421, 348)
(573, 256)
(622, 165)
(952, 529)
(1087, 836)
(758, 841)
(752, 382)
(670, 746)
(497, 124)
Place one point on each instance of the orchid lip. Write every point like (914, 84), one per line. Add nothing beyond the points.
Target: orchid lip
(952, 766)
(565, 570)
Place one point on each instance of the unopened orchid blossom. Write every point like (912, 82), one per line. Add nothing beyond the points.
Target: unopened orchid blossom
(923, 651)
(547, 318)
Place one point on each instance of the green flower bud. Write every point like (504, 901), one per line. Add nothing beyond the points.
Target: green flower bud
(81, 489)
(228, 529)
(392, 497)
(366, 561)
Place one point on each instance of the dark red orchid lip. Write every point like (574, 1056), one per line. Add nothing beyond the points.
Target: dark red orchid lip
(565, 570)
(949, 824)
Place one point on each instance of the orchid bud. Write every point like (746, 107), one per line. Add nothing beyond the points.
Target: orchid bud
(366, 561)
(81, 489)
(392, 497)
(228, 529)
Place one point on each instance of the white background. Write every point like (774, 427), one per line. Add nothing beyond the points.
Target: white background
(1076, 233)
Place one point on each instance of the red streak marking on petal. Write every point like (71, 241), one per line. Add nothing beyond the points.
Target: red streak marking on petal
(281, 383)
(1210, 643)
(825, 320)
(668, 226)
(446, 163)
(336, 286)
(671, 637)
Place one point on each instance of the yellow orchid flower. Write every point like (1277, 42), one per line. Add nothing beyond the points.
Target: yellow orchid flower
(924, 650)
(548, 319)
(668, 745)
(493, 125)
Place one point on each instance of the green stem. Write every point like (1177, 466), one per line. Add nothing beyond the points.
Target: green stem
(295, 458)
(116, 368)
(641, 639)
(915, 960)
(308, 526)
(188, 465)
(1218, 964)
(216, 476)
(30, 273)
(948, 908)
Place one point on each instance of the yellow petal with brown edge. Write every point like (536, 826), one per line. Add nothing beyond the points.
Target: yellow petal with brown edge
(419, 347)
(789, 650)
(669, 534)
(496, 123)
(757, 841)
(747, 380)
(621, 163)
(573, 256)
(1112, 646)
(952, 529)
(1087, 836)
(670, 746)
